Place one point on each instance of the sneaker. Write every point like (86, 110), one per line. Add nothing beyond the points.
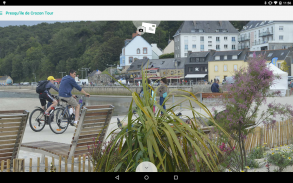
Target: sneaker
(75, 124)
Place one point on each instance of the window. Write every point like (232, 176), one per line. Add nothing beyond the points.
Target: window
(192, 30)
(225, 46)
(201, 38)
(234, 57)
(189, 69)
(197, 59)
(217, 57)
(130, 59)
(280, 37)
(209, 45)
(201, 47)
(279, 65)
(172, 72)
(210, 42)
(192, 59)
(138, 51)
(205, 69)
(186, 47)
(225, 57)
(282, 53)
(216, 68)
(217, 38)
(201, 59)
(233, 47)
(225, 67)
(185, 54)
(145, 57)
(210, 37)
(256, 25)
(193, 38)
(235, 67)
(145, 50)
(270, 54)
(138, 66)
(225, 38)
(163, 62)
(193, 46)
(233, 39)
(217, 47)
(185, 39)
(281, 28)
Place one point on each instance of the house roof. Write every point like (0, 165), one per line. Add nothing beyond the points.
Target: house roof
(255, 24)
(270, 54)
(135, 65)
(167, 63)
(241, 55)
(206, 27)
(223, 53)
(199, 54)
(134, 38)
(3, 77)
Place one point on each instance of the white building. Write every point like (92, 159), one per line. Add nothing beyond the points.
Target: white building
(198, 36)
(169, 48)
(156, 51)
(137, 48)
(266, 35)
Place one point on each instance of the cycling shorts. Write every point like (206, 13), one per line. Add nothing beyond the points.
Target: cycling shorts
(45, 96)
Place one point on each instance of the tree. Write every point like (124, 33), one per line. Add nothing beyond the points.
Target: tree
(167, 55)
(284, 66)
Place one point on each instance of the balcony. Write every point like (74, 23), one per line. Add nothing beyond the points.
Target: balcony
(263, 34)
(241, 47)
(243, 38)
(259, 42)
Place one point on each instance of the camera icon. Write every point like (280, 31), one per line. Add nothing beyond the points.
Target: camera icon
(141, 30)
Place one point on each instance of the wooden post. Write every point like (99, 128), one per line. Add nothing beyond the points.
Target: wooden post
(20, 165)
(8, 165)
(14, 165)
(53, 163)
(79, 163)
(89, 164)
(46, 164)
(65, 163)
(83, 165)
(59, 164)
(2, 165)
(72, 163)
(31, 163)
(38, 164)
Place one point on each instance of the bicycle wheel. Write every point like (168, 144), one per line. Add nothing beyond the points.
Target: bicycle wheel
(37, 120)
(59, 121)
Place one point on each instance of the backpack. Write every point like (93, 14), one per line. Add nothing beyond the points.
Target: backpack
(41, 87)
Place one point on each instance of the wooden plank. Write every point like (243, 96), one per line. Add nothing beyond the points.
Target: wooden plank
(8, 133)
(98, 110)
(8, 165)
(96, 117)
(99, 106)
(2, 151)
(86, 140)
(97, 114)
(8, 137)
(65, 163)
(83, 163)
(12, 111)
(72, 163)
(5, 116)
(5, 155)
(90, 133)
(38, 164)
(93, 129)
(89, 136)
(10, 121)
(79, 163)
(89, 165)
(31, 165)
(10, 145)
(93, 121)
(46, 164)
(2, 165)
(59, 169)
(8, 129)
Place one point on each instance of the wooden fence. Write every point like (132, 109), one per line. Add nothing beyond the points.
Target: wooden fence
(19, 165)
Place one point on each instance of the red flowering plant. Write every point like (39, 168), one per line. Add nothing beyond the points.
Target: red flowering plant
(242, 103)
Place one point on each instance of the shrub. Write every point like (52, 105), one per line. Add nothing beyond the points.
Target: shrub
(280, 158)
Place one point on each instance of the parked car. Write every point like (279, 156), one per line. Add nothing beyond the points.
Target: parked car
(25, 83)
(15, 84)
(34, 83)
(228, 80)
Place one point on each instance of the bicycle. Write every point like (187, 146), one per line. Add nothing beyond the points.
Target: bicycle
(38, 120)
(64, 117)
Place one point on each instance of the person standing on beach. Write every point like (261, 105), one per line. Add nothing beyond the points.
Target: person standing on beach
(163, 92)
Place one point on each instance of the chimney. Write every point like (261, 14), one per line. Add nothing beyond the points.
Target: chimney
(134, 34)
(189, 52)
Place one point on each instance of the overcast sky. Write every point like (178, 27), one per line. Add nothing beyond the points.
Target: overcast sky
(28, 23)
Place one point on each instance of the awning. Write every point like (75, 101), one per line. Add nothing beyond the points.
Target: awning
(195, 75)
